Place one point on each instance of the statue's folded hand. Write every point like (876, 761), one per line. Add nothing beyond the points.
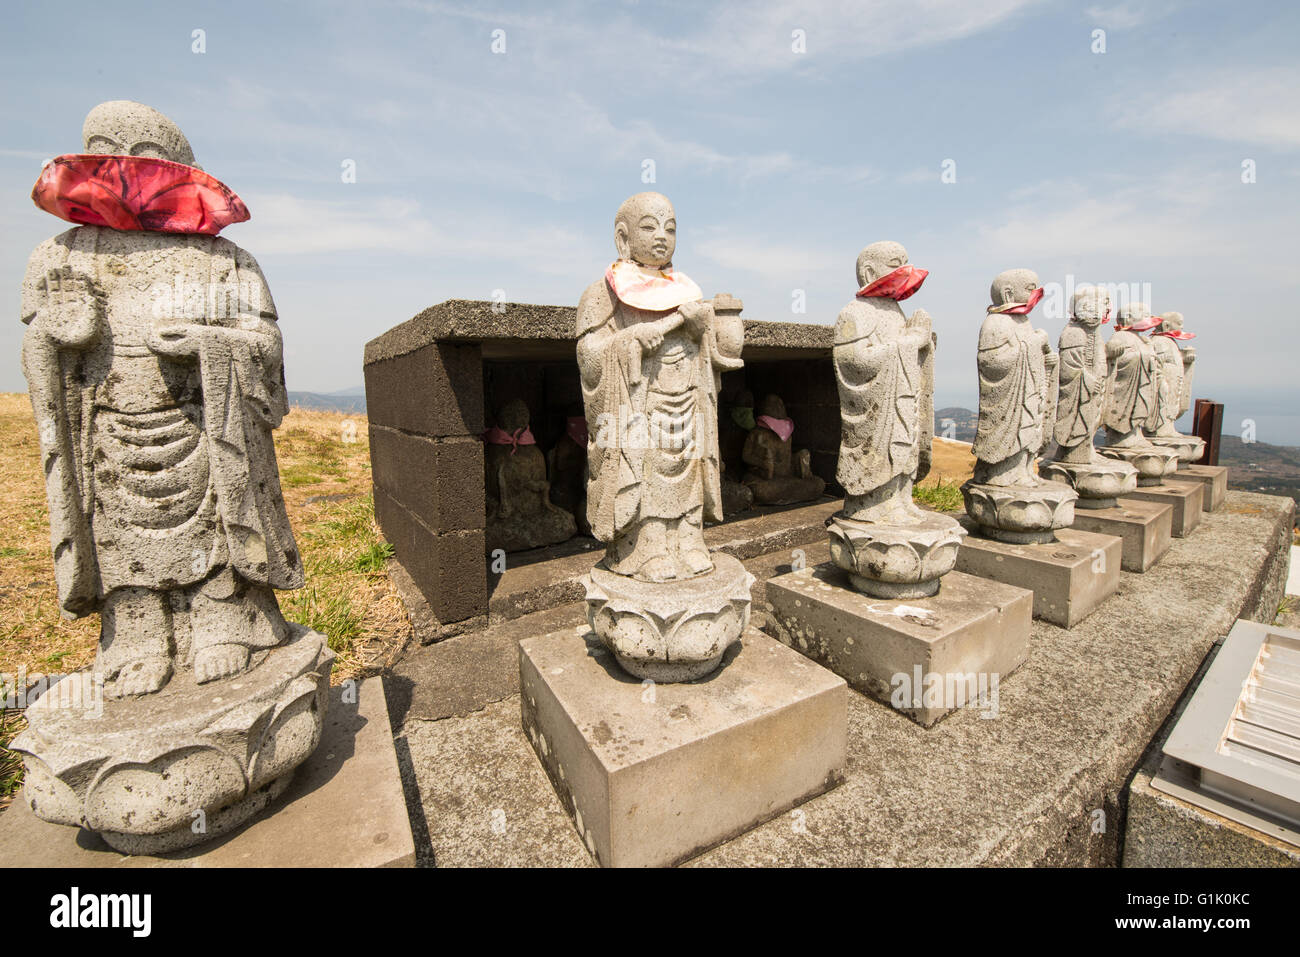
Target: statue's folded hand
(176, 338)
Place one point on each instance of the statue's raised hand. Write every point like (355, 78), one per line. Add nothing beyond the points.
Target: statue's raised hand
(648, 334)
(73, 311)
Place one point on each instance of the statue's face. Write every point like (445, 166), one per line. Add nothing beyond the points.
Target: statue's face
(1171, 321)
(647, 233)
(1132, 313)
(1013, 286)
(879, 259)
(1090, 306)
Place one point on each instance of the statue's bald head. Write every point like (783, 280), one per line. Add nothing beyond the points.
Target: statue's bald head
(1013, 286)
(645, 230)
(126, 128)
(1170, 322)
(1131, 313)
(879, 259)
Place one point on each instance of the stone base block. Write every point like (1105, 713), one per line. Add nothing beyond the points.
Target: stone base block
(654, 774)
(1152, 463)
(1189, 448)
(1069, 577)
(925, 657)
(895, 561)
(1215, 478)
(141, 771)
(1019, 514)
(1098, 482)
(1145, 528)
(674, 630)
(343, 807)
(1185, 497)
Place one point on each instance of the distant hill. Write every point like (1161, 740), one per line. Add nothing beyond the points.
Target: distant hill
(348, 400)
(955, 422)
(1260, 467)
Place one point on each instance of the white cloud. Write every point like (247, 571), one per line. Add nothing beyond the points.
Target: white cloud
(1258, 106)
(1126, 16)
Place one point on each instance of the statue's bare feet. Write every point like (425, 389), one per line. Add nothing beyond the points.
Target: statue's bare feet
(142, 676)
(219, 661)
(697, 561)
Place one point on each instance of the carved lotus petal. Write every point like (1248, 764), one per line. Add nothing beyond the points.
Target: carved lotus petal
(899, 554)
(1041, 508)
(157, 796)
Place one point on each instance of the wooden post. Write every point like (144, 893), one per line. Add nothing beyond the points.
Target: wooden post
(1207, 422)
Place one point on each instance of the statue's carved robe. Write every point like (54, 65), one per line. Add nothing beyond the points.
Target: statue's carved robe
(1082, 392)
(633, 399)
(886, 396)
(1013, 384)
(1172, 385)
(159, 472)
(1133, 384)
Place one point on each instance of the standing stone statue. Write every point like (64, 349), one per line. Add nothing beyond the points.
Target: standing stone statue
(1133, 397)
(652, 351)
(884, 368)
(1176, 366)
(1080, 402)
(1018, 385)
(153, 361)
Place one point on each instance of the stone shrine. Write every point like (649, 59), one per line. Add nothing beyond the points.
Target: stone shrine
(153, 360)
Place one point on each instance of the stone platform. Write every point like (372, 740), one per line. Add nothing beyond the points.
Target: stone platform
(1021, 789)
(1145, 528)
(652, 774)
(342, 808)
(1069, 577)
(1185, 497)
(924, 657)
(1215, 478)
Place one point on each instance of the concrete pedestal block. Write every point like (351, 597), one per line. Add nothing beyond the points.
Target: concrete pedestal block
(962, 641)
(1069, 577)
(1215, 478)
(1145, 528)
(1185, 497)
(343, 807)
(652, 774)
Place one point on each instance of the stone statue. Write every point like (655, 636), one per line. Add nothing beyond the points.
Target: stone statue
(1080, 402)
(651, 352)
(1018, 385)
(1132, 397)
(567, 461)
(518, 497)
(884, 368)
(1175, 393)
(153, 360)
(778, 475)
(735, 422)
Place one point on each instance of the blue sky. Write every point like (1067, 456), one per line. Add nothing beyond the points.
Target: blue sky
(478, 171)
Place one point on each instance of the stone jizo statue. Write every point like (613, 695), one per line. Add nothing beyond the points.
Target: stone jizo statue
(651, 351)
(884, 369)
(1080, 402)
(153, 362)
(1175, 393)
(1133, 397)
(778, 474)
(518, 496)
(1018, 385)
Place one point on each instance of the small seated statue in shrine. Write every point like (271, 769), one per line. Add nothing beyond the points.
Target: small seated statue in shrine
(777, 474)
(519, 510)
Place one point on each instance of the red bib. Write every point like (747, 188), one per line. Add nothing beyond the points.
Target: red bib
(136, 192)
